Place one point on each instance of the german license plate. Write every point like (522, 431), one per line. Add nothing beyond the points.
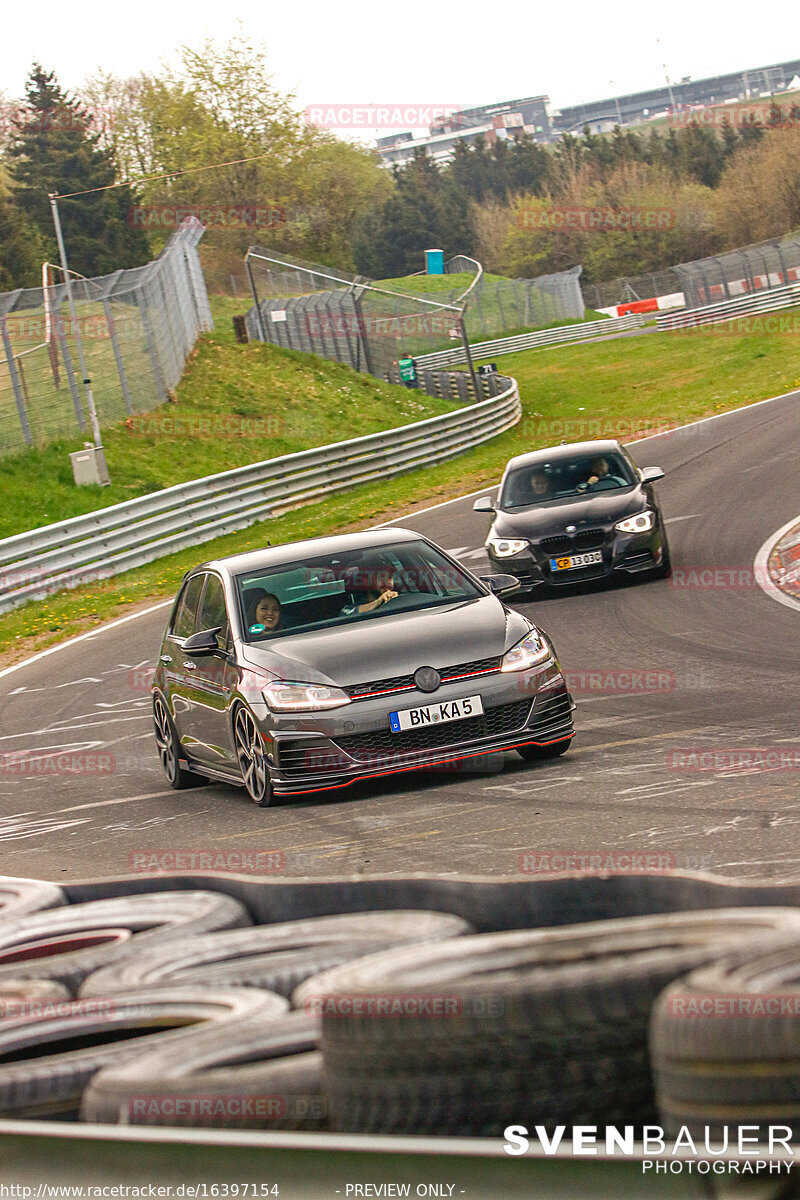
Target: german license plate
(570, 561)
(435, 714)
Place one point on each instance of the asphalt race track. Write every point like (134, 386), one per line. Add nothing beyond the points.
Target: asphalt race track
(659, 670)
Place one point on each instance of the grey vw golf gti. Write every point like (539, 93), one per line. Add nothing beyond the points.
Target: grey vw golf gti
(308, 666)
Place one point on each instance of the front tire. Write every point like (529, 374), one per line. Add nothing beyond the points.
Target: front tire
(169, 750)
(665, 570)
(252, 758)
(541, 753)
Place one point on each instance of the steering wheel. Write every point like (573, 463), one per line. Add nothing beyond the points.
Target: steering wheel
(400, 601)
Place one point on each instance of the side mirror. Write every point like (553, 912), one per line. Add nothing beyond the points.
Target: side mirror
(502, 585)
(651, 474)
(484, 504)
(200, 644)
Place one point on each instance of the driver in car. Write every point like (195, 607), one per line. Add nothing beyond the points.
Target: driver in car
(540, 486)
(381, 590)
(601, 473)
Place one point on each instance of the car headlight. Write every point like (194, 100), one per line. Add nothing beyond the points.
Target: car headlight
(303, 697)
(503, 547)
(534, 648)
(638, 524)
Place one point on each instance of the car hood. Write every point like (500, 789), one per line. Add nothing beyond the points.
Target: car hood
(382, 647)
(581, 511)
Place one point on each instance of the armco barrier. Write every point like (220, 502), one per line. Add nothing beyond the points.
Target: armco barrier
(751, 305)
(128, 535)
(578, 332)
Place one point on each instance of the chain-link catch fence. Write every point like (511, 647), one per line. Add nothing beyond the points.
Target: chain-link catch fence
(137, 328)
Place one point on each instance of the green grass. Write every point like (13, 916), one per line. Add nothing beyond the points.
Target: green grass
(235, 405)
(421, 285)
(621, 388)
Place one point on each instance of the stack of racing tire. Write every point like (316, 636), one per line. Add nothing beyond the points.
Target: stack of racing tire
(178, 1006)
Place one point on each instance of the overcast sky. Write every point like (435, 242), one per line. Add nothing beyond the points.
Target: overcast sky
(416, 53)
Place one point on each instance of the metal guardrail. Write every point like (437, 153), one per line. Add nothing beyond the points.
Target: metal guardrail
(529, 341)
(116, 539)
(749, 305)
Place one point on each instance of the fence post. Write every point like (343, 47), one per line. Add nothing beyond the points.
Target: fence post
(70, 370)
(15, 384)
(363, 341)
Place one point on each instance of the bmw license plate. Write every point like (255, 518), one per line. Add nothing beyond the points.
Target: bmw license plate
(435, 714)
(570, 561)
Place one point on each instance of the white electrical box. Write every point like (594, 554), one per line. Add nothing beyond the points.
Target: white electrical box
(89, 466)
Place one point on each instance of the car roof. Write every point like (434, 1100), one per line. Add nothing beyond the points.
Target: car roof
(289, 552)
(534, 457)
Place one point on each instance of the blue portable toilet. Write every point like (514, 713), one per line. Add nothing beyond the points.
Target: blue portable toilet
(434, 262)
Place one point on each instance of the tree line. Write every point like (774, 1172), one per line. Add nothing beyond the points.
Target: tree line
(625, 203)
(523, 209)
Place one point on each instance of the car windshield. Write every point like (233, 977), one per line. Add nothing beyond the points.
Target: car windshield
(349, 586)
(561, 478)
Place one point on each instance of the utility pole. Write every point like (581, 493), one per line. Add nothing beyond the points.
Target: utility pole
(99, 452)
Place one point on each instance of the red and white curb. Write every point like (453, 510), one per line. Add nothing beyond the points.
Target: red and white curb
(777, 565)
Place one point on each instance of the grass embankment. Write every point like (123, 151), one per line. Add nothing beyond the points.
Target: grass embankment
(567, 392)
(235, 405)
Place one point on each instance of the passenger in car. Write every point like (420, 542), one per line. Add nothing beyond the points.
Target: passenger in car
(263, 609)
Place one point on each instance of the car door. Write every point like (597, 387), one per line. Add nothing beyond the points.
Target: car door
(211, 678)
(178, 668)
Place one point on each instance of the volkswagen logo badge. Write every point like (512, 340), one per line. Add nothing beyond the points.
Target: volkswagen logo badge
(427, 679)
(571, 528)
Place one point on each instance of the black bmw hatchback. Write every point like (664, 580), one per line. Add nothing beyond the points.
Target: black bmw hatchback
(577, 512)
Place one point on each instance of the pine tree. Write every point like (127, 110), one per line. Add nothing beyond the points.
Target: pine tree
(22, 249)
(54, 149)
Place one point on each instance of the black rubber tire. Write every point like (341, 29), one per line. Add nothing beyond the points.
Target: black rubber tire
(168, 746)
(275, 957)
(559, 1016)
(21, 996)
(721, 1053)
(50, 1082)
(542, 753)
(255, 1075)
(153, 917)
(252, 757)
(18, 897)
(665, 570)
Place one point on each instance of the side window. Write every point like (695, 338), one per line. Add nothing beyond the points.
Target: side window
(184, 625)
(213, 612)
